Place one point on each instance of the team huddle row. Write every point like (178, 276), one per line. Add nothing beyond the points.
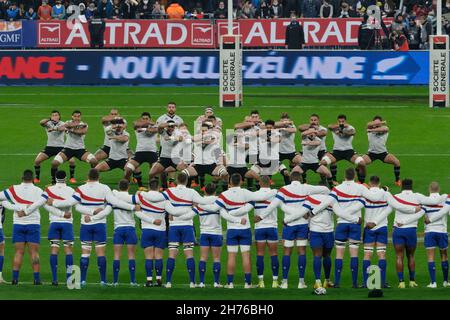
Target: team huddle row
(308, 220)
(253, 148)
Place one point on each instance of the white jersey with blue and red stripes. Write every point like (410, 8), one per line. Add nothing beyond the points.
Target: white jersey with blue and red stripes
(322, 221)
(181, 196)
(270, 221)
(210, 221)
(59, 191)
(439, 225)
(232, 199)
(23, 195)
(154, 210)
(375, 210)
(346, 194)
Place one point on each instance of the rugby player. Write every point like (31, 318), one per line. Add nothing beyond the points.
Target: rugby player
(287, 130)
(107, 121)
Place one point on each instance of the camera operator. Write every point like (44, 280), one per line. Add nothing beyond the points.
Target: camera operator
(366, 35)
(413, 34)
(399, 41)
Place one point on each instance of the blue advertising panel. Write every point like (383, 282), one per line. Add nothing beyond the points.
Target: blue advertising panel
(11, 34)
(133, 67)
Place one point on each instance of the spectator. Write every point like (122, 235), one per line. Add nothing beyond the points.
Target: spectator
(326, 10)
(346, 11)
(256, 3)
(446, 25)
(221, 12)
(104, 8)
(263, 11)
(30, 14)
(366, 35)
(45, 11)
(389, 9)
(58, 11)
(175, 11)
(446, 8)
(425, 32)
(295, 37)
(82, 16)
(90, 11)
(116, 10)
(247, 11)
(399, 41)
(158, 11)
(292, 6)
(398, 24)
(413, 34)
(144, 10)
(310, 9)
(13, 13)
(276, 9)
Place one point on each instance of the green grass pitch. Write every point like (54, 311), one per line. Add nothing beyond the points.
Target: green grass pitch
(419, 136)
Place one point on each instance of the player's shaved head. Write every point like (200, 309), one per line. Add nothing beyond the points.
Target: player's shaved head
(350, 174)
(56, 111)
(434, 187)
(377, 118)
(342, 116)
(153, 185)
(145, 114)
(264, 181)
(124, 184)
(60, 175)
(182, 178)
(93, 175)
(235, 179)
(296, 176)
(374, 181)
(114, 112)
(407, 184)
(210, 189)
(76, 112)
(284, 115)
(27, 176)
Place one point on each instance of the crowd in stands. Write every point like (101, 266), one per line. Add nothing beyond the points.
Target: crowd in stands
(416, 19)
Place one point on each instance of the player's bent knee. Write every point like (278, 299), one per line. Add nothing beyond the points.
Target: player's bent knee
(91, 158)
(288, 243)
(326, 160)
(359, 161)
(232, 249)
(222, 172)
(130, 166)
(58, 160)
(244, 248)
(302, 242)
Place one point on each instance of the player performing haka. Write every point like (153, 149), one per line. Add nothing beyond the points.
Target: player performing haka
(55, 142)
(107, 121)
(287, 131)
(378, 132)
(343, 134)
(74, 146)
(236, 152)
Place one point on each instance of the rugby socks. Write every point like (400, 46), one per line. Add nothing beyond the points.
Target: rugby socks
(365, 265)
(329, 181)
(337, 271)
(275, 266)
(301, 263)
(72, 171)
(101, 263)
(361, 176)
(432, 271)
(400, 276)
(149, 269)
(250, 184)
(164, 180)
(2, 258)
(248, 278)
(285, 265)
(15, 275)
(69, 264)
(304, 177)
(412, 275)
(444, 265)
(37, 276)
(382, 265)
(324, 180)
(286, 178)
(333, 169)
(158, 268)
(138, 177)
(116, 269)
(53, 174)
(84, 264)
(37, 171)
(260, 266)
(54, 266)
(397, 173)
(230, 278)
(327, 267)
(132, 270)
(216, 272)
(202, 270)
(170, 265)
(317, 266)
(190, 265)
(224, 185)
(201, 181)
(354, 268)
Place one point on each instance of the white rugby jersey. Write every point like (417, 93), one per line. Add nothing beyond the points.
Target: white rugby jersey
(166, 117)
(108, 132)
(252, 139)
(22, 195)
(54, 138)
(439, 219)
(377, 141)
(287, 143)
(75, 141)
(93, 194)
(181, 196)
(208, 153)
(347, 193)
(123, 218)
(168, 143)
(323, 145)
(151, 210)
(185, 146)
(119, 149)
(269, 151)
(236, 198)
(412, 199)
(294, 194)
(436, 225)
(210, 221)
(270, 221)
(145, 141)
(236, 151)
(377, 211)
(59, 191)
(310, 153)
(343, 143)
(322, 221)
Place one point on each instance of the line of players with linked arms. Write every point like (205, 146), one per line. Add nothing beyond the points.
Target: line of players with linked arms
(295, 232)
(308, 220)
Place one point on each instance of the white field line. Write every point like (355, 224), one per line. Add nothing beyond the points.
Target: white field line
(109, 105)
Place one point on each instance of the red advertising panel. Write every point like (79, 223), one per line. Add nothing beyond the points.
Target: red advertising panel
(196, 33)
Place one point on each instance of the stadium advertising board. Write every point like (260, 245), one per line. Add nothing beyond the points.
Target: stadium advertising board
(11, 34)
(202, 67)
(196, 33)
